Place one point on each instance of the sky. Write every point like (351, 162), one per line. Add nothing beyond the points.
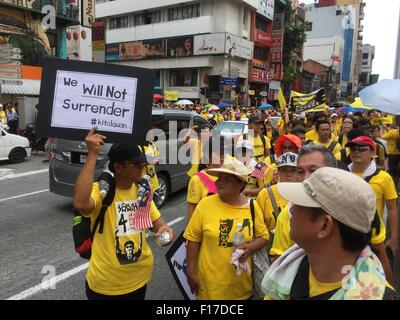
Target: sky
(380, 29)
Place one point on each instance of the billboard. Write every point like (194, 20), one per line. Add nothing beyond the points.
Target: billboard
(98, 38)
(242, 47)
(209, 44)
(141, 50)
(112, 52)
(87, 13)
(180, 47)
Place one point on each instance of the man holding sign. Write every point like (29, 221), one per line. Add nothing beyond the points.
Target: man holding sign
(121, 263)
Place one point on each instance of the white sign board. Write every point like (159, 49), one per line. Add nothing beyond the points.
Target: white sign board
(242, 47)
(90, 99)
(209, 44)
(266, 8)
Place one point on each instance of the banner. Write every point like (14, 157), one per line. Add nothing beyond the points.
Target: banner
(209, 44)
(180, 47)
(87, 13)
(76, 96)
(300, 102)
(171, 95)
(141, 50)
(176, 258)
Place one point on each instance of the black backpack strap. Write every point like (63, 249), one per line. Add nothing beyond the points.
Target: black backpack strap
(340, 140)
(273, 202)
(272, 158)
(332, 146)
(263, 141)
(107, 201)
(301, 285)
(343, 154)
(252, 217)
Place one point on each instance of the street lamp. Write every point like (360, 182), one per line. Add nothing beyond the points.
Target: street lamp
(229, 56)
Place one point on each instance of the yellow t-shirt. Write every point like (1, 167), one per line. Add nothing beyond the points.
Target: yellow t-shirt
(265, 204)
(317, 288)
(195, 148)
(204, 115)
(282, 240)
(3, 117)
(219, 118)
(113, 271)
(390, 136)
(281, 126)
(213, 224)
(259, 146)
(336, 150)
(150, 170)
(312, 135)
(272, 167)
(197, 189)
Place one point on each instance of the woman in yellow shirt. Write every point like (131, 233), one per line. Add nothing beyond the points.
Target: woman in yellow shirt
(202, 184)
(210, 237)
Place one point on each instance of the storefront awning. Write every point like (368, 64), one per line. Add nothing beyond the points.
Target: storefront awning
(27, 88)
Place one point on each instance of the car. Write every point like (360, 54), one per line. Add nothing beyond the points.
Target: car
(68, 156)
(232, 129)
(13, 147)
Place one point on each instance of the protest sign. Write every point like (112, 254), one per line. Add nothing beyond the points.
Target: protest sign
(76, 96)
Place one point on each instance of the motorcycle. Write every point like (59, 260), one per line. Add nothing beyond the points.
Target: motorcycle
(37, 143)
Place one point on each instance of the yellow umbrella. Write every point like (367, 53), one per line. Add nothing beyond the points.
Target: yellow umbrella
(359, 105)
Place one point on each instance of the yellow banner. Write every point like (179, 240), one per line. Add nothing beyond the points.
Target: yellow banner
(322, 107)
(171, 95)
(252, 92)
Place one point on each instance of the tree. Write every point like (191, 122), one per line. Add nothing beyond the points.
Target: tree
(293, 41)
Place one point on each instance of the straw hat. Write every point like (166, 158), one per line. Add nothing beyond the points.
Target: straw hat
(234, 167)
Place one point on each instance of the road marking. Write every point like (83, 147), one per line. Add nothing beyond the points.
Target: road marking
(6, 171)
(23, 174)
(24, 195)
(48, 283)
(64, 276)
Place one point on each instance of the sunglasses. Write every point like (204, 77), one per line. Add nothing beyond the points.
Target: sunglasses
(360, 149)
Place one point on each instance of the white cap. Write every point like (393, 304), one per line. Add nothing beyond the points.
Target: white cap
(244, 144)
(334, 115)
(287, 159)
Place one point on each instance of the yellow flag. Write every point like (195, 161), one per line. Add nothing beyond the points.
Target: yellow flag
(281, 99)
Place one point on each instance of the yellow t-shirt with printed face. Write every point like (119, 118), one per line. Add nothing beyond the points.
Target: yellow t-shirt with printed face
(265, 204)
(213, 224)
(197, 189)
(390, 136)
(259, 146)
(150, 170)
(282, 240)
(118, 270)
(336, 150)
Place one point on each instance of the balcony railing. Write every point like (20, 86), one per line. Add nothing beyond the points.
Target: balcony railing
(64, 10)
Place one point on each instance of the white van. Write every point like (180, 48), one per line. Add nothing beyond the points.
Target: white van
(13, 147)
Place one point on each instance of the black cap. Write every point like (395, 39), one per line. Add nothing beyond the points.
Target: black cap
(254, 120)
(120, 152)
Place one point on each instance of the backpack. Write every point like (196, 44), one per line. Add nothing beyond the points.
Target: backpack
(81, 230)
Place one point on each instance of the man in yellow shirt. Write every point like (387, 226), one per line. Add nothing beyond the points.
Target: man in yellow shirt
(323, 128)
(391, 136)
(328, 241)
(261, 143)
(121, 263)
(362, 153)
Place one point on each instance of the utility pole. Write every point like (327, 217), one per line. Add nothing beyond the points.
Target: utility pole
(229, 65)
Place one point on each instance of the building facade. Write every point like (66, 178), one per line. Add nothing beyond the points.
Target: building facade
(201, 50)
(368, 56)
(397, 62)
(335, 31)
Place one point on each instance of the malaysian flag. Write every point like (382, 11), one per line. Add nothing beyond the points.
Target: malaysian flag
(260, 170)
(142, 217)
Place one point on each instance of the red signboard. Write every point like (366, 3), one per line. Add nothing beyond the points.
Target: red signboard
(277, 67)
(258, 75)
(264, 38)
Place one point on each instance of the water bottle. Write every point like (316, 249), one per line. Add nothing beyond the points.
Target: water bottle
(104, 187)
(238, 237)
(164, 239)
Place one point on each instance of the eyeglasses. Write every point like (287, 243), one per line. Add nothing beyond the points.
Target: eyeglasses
(360, 149)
